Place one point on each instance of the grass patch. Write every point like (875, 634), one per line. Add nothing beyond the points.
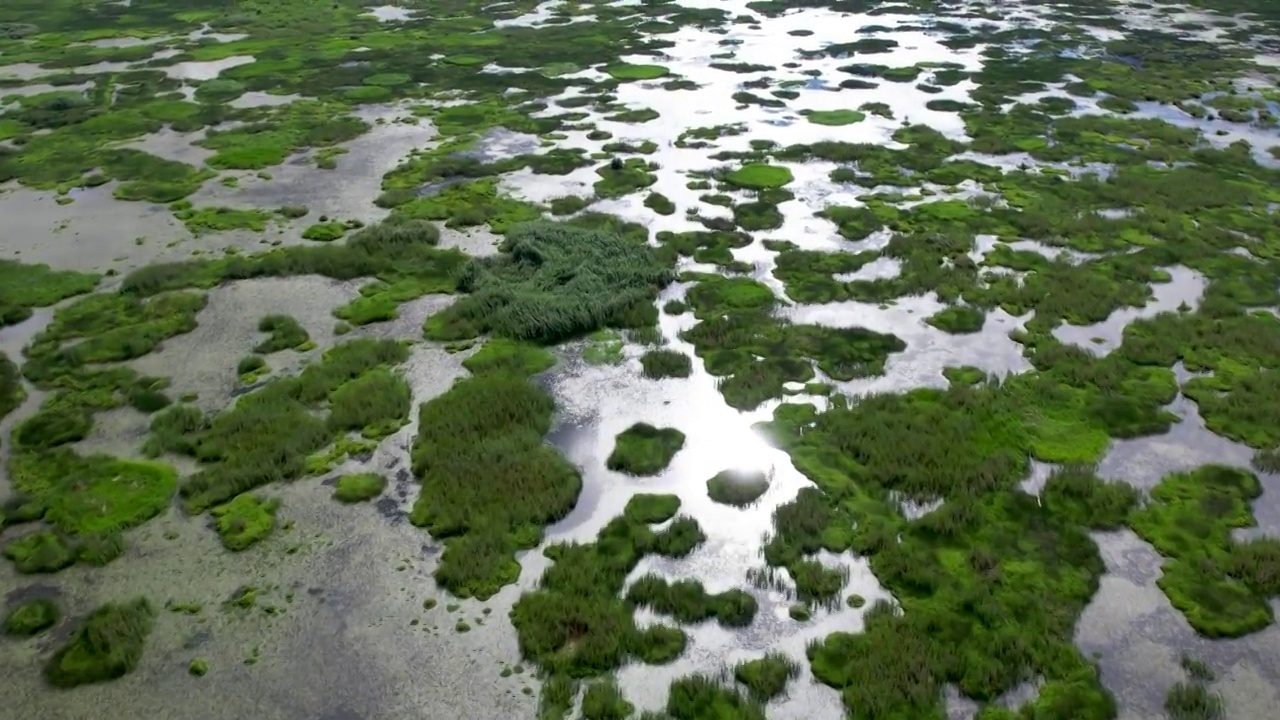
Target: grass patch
(107, 645)
(688, 602)
(286, 334)
(245, 521)
(1193, 701)
(31, 618)
(489, 482)
(360, 487)
(1220, 585)
(508, 356)
(603, 700)
(759, 176)
(551, 283)
(835, 117)
(658, 364)
(624, 71)
(575, 624)
(737, 488)
(766, 678)
(643, 449)
(958, 320)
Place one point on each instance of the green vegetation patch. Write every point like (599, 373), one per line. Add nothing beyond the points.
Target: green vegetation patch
(286, 334)
(107, 645)
(360, 487)
(699, 697)
(759, 176)
(767, 677)
(490, 484)
(501, 355)
(324, 232)
(624, 71)
(1221, 585)
(272, 433)
(643, 449)
(658, 364)
(245, 521)
(958, 320)
(23, 287)
(31, 618)
(650, 509)
(688, 602)
(11, 392)
(603, 700)
(835, 117)
(737, 488)
(575, 624)
(552, 282)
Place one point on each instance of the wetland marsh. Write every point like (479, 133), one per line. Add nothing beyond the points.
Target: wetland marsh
(671, 360)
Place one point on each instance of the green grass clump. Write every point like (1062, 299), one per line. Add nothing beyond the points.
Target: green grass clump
(756, 353)
(649, 509)
(23, 287)
(643, 449)
(489, 482)
(553, 282)
(40, 552)
(1074, 492)
(198, 667)
(624, 71)
(31, 618)
(604, 347)
(575, 624)
(1193, 701)
(835, 117)
(1221, 586)
(269, 434)
(508, 356)
(660, 364)
(698, 697)
(766, 678)
(376, 403)
(107, 645)
(11, 392)
(251, 368)
(759, 176)
(360, 487)
(325, 232)
(605, 701)
(286, 333)
(660, 203)
(958, 319)
(737, 488)
(245, 521)
(688, 602)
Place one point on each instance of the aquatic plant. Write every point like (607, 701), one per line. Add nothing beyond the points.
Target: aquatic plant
(643, 449)
(603, 700)
(766, 677)
(737, 488)
(285, 334)
(245, 521)
(658, 364)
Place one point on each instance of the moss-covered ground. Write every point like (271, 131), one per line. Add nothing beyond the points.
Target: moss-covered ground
(105, 646)
(32, 617)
